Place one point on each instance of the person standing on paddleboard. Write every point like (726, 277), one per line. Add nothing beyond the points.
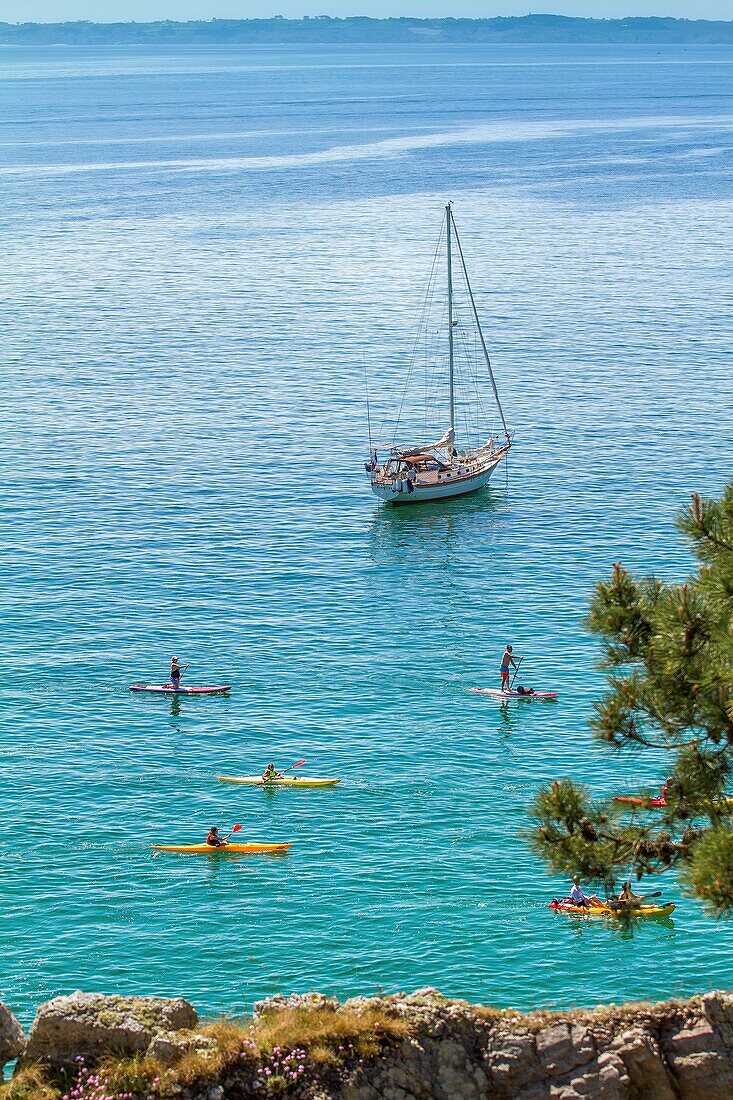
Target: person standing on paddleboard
(506, 661)
(176, 670)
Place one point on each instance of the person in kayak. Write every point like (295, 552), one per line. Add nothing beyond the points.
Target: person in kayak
(506, 661)
(578, 897)
(176, 671)
(214, 840)
(628, 898)
(271, 773)
(665, 790)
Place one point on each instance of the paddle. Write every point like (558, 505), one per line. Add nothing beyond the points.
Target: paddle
(235, 829)
(516, 670)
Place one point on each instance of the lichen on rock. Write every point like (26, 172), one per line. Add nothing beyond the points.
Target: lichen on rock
(92, 1025)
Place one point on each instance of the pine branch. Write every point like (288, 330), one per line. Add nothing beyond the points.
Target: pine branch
(668, 652)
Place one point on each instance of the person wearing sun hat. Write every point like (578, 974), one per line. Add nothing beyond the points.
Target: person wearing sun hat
(176, 670)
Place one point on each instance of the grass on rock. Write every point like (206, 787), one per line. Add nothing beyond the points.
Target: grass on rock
(322, 1036)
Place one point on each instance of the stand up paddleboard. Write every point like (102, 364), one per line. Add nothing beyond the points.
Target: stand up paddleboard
(286, 781)
(168, 689)
(497, 693)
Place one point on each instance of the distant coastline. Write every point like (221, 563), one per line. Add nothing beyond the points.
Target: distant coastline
(323, 30)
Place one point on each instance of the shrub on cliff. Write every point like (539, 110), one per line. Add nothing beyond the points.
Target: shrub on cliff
(668, 652)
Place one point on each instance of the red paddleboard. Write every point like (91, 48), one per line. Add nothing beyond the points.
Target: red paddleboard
(497, 693)
(168, 689)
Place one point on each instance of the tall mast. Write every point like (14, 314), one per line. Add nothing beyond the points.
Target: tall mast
(478, 326)
(450, 317)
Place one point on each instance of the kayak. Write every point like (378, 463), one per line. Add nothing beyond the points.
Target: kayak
(225, 849)
(606, 910)
(497, 693)
(168, 689)
(286, 781)
(659, 803)
(656, 803)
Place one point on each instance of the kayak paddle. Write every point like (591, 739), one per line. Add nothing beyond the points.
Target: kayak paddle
(235, 829)
(297, 764)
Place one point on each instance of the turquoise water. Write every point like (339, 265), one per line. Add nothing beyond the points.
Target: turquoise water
(201, 249)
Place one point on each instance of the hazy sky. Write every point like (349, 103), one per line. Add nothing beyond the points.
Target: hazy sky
(104, 11)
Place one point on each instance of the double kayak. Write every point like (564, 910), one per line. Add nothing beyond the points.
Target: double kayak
(497, 693)
(613, 911)
(223, 850)
(168, 689)
(286, 781)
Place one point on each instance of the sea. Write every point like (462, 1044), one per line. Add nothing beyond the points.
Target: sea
(206, 255)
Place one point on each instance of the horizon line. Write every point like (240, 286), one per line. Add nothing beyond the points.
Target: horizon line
(368, 18)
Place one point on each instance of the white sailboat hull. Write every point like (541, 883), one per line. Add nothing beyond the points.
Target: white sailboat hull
(448, 487)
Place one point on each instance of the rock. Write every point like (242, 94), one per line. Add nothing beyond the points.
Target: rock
(169, 1047)
(641, 1056)
(604, 1080)
(427, 995)
(718, 1010)
(450, 1050)
(702, 1068)
(561, 1048)
(12, 1039)
(280, 1001)
(455, 1075)
(511, 1063)
(92, 1025)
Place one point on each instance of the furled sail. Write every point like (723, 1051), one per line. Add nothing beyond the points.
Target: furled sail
(446, 440)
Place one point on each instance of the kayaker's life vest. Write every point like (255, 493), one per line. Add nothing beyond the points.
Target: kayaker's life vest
(214, 840)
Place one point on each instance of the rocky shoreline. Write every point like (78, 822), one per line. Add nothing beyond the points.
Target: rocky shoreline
(418, 1046)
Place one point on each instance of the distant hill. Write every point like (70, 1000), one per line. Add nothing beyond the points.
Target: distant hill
(323, 29)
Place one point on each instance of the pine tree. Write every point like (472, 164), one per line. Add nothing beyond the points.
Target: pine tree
(668, 653)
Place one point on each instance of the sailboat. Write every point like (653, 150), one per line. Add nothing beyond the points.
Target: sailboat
(416, 472)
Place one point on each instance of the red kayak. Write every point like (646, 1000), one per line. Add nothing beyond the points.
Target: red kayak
(660, 803)
(168, 689)
(656, 803)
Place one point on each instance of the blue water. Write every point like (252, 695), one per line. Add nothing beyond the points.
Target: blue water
(201, 250)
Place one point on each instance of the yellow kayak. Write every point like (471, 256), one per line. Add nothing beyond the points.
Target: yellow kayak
(225, 849)
(286, 781)
(606, 910)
